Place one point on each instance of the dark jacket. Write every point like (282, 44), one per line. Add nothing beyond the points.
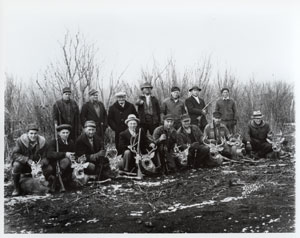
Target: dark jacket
(221, 131)
(169, 106)
(88, 112)
(83, 146)
(171, 137)
(117, 116)
(60, 116)
(22, 151)
(126, 138)
(52, 155)
(184, 139)
(155, 110)
(258, 133)
(195, 110)
(227, 108)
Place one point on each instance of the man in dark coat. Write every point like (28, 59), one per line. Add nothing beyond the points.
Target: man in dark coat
(188, 134)
(129, 137)
(64, 154)
(92, 147)
(30, 147)
(195, 105)
(66, 111)
(148, 109)
(118, 113)
(175, 106)
(165, 137)
(226, 106)
(94, 110)
(258, 132)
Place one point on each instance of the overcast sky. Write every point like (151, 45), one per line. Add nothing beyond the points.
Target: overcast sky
(250, 40)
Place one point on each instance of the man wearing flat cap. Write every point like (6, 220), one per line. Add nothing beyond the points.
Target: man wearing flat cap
(174, 105)
(64, 154)
(90, 148)
(118, 113)
(129, 137)
(195, 107)
(165, 137)
(189, 134)
(29, 147)
(258, 133)
(148, 109)
(66, 111)
(94, 110)
(227, 107)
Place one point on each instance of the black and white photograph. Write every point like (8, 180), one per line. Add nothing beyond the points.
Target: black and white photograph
(149, 117)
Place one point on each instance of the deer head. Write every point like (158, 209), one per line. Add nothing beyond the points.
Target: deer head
(182, 155)
(276, 141)
(214, 149)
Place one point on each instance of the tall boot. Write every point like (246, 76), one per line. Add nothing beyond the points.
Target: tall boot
(17, 187)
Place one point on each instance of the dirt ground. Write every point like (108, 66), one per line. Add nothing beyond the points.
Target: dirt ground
(232, 198)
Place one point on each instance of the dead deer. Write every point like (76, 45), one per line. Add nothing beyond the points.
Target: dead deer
(215, 150)
(237, 146)
(182, 156)
(78, 174)
(276, 142)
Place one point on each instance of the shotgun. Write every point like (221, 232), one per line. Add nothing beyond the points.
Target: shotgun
(58, 171)
(139, 172)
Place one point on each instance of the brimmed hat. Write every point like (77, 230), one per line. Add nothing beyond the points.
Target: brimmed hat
(90, 124)
(132, 117)
(217, 115)
(168, 117)
(146, 85)
(195, 87)
(92, 92)
(175, 88)
(32, 126)
(185, 117)
(223, 89)
(120, 94)
(257, 115)
(66, 90)
(64, 126)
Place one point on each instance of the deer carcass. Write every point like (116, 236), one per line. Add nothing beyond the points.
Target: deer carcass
(237, 147)
(215, 150)
(276, 143)
(78, 174)
(182, 156)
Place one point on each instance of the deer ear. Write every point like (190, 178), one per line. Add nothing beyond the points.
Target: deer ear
(152, 155)
(85, 165)
(220, 148)
(73, 165)
(269, 141)
(281, 140)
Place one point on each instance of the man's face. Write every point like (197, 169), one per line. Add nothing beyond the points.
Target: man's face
(146, 91)
(257, 121)
(217, 121)
(90, 131)
(175, 94)
(186, 123)
(94, 97)
(66, 96)
(225, 94)
(132, 125)
(64, 134)
(168, 124)
(32, 135)
(121, 100)
(195, 92)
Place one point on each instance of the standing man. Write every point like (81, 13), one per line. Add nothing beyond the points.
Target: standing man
(29, 147)
(195, 106)
(64, 154)
(66, 111)
(227, 107)
(94, 110)
(165, 137)
(148, 109)
(90, 145)
(175, 106)
(118, 113)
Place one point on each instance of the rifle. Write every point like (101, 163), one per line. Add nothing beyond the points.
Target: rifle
(101, 164)
(139, 172)
(58, 171)
(210, 102)
(166, 154)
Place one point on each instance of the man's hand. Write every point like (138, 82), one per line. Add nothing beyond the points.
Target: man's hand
(152, 145)
(140, 102)
(204, 111)
(70, 155)
(29, 161)
(162, 137)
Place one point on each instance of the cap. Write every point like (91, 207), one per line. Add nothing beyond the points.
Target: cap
(90, 124)
(32, 126)
(131, 117)
(120, 94)
(223, 89)
(195, 87)
(168, 117)
(175, 88)
(185, 117)
(257, 115)
(217, 115)
(64, 126)
(92, 92)
(146, 85)
(66, 90)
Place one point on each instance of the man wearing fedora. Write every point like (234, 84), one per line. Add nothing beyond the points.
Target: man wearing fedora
(64, 154)
(66, 111)
(174, 105)
(118, 113)
(189, 134)
(165, 137)
(129, 137)
(90, 148)
(227, 107)
(258, 132)
(94, 110)
(30, 147)
(148, 109)
(195, 105)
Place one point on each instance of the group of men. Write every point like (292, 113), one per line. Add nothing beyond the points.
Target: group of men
(176, 123)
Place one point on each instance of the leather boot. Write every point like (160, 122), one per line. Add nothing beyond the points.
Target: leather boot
(17, 188)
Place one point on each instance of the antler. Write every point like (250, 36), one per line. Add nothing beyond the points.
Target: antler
(132, 145)
(153, 149)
